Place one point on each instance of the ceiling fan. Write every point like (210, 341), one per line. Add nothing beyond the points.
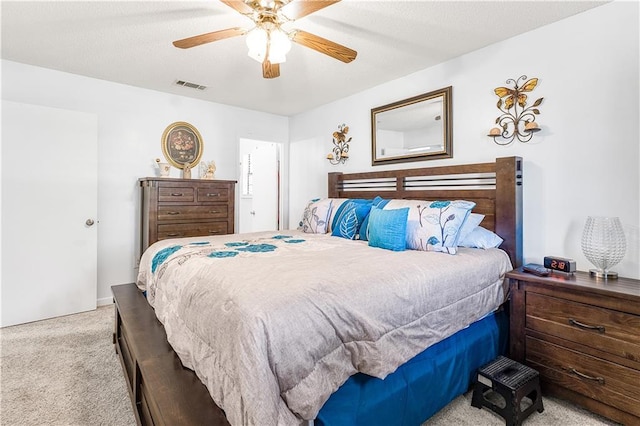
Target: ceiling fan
(268, 42)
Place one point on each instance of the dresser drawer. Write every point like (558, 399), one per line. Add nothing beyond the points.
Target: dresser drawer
(213, 194)
(608, 382)
(173, 213)
(176, 194)
(611, 331)
(181, 230)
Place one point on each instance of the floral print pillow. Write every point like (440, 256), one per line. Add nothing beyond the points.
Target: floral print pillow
(434, 225)
(315, 219)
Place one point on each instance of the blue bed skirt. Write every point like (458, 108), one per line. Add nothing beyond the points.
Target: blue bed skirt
(424, 385)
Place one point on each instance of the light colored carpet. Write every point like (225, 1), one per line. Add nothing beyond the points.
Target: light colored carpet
(65, 371)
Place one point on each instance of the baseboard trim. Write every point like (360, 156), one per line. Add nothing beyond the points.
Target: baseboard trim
(104, 301)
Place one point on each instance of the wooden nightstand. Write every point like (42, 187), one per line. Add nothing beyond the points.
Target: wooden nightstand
(583, 336)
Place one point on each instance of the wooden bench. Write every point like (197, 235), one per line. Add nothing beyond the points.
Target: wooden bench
(162, 391)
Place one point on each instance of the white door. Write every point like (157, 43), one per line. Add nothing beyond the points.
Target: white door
(260, 186)
(49, 212)
(265, 188)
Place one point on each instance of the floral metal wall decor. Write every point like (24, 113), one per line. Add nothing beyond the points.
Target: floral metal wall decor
(340, 152)
(518, 121)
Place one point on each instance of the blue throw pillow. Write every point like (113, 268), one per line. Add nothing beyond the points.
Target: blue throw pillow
(378, 202)
(388, 228)
(349, 218)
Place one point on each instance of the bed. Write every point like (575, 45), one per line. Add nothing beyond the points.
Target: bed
(292, 326)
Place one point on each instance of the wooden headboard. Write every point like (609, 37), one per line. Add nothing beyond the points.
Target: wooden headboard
(496, 188)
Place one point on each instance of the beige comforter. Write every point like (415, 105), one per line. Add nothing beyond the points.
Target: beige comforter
(273, 326)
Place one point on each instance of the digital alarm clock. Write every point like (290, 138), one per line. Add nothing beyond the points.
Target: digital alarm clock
(560, 264)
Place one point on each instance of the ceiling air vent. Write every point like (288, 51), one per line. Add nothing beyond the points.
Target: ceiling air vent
(191, 85)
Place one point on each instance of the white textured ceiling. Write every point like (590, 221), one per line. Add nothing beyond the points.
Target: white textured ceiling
(130, 43)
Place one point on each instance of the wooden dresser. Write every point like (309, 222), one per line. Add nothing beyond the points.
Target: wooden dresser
(583, 336)
(176, 208)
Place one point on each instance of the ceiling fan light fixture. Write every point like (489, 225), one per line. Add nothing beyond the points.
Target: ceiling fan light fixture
(267, 42)
(280, 46)
(257, 40)
(278, 41)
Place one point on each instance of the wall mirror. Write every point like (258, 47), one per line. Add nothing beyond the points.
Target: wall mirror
(414, 129)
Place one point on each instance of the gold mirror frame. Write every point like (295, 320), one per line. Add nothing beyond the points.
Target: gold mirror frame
(424, 120)
(182, 144)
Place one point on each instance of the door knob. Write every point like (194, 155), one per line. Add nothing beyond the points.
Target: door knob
(252, 212)
(89, 222)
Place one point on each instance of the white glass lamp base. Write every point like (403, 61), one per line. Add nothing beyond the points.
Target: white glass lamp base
(605, 275)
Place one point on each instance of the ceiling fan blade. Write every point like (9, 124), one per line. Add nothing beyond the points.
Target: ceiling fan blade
(325, 46)
(270, 70)
(239, 6)
(300, 8)
(208, 37)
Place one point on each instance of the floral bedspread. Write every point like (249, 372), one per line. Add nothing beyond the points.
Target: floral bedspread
(273, 323)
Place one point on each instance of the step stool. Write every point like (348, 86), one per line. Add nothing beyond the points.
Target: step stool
(513, 381)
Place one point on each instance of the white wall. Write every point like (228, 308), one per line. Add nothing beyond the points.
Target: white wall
(588, 71)
(584, 162)
(130, 125)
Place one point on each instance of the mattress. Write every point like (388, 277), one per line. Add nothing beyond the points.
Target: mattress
(274, 323)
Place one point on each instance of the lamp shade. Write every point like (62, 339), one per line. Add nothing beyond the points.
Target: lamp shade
(278, 42)
(257, 43)
(603, 244)
(280, 46)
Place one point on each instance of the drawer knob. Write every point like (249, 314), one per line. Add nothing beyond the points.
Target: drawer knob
(174, 235)
(176, 194)
(213, 211)
(598, 328)
(211, 194)
(587, 377)
(173, 213)
(214, 232)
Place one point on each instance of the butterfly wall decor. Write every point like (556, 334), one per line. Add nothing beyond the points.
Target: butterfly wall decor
(518, 121)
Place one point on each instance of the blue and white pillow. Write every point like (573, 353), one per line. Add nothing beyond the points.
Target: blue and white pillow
(377, 202)
(434, 225)
(388, 228)
(315, 219)
(349, 217)
(335, 209)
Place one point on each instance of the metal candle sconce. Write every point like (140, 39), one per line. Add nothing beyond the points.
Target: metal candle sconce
(516, 124)
(340, 152)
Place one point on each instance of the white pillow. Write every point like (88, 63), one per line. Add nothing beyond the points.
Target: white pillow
(472, 222)
(481, 238)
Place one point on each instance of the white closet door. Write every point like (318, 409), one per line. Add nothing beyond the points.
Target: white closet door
(49, 201)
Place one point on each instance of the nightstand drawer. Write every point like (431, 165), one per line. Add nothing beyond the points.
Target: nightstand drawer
(608, 382)
(173, 213)
(611, 331)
